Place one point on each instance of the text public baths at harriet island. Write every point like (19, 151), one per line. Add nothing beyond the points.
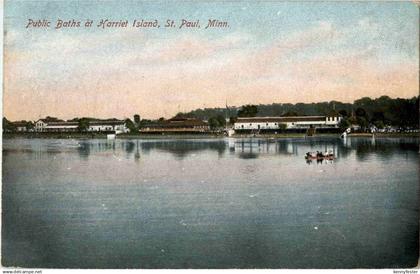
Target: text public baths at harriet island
(135, 23)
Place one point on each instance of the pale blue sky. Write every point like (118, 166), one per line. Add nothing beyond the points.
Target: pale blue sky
(286, 38)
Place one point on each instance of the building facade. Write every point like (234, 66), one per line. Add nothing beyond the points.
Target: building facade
(117, 126)
(177, 125)
(290, 122)
(55, 126)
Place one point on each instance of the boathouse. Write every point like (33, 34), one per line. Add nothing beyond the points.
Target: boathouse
(176, 125)
(96, 125)
(287, 123)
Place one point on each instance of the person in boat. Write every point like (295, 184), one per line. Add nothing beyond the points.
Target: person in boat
(309, 154)
(329, 154)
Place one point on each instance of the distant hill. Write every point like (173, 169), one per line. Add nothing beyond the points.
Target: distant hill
(397, 111)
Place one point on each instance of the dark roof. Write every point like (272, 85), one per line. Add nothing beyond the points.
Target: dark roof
(177, 123)
(50, 120)
(107, 122)
(333, 113)
(92, 123)
(283, 119)
(20, 123)
(64, 123)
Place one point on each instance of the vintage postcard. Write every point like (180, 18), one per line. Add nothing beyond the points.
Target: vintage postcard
(210, 135)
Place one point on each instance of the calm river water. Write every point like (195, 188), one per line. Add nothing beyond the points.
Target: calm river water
(216, 203)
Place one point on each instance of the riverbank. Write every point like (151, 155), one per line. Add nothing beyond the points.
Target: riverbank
(73, 135)
(387, 135)
(78, 135)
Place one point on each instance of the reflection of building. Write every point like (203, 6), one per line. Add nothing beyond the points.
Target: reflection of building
(180, 125)
(290, 122)
(114, 125)
(265, 147)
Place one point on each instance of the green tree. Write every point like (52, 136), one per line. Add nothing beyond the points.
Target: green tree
(364, 102)
(379, 124)
(30, 126)
(344, 123)
(216, 122)
(352, 120)
(361, 112)
(232, 120)
(362, 122)
(398, 112)
(83, 125)
(248, 111)
(221, 120)
(144, 122)
(130, 125)
(137, 120)
(343, 113)
(8, 126)
(213, 123)
(52, 119)
(290, 113)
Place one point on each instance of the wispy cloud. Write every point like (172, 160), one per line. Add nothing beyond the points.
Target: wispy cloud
(118, 73)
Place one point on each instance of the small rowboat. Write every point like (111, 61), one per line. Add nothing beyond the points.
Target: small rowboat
(327, 157)
(319, 156)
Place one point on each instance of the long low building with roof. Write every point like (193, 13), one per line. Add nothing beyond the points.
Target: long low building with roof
(287, 122)
(21, 126)
(109, 125)
(176, 125)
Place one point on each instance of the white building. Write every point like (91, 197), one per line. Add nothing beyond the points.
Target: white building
(289, 122)
(117, 126)
(44, 125)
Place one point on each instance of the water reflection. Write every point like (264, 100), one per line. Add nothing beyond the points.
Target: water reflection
(182, 148)
(246, 148)
(319, 161)
(137, 152)
(209, 203)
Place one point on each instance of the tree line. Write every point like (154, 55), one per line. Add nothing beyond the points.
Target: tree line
(380, 112)
(365, 112)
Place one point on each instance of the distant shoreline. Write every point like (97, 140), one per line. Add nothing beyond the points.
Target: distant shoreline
(194, 136)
